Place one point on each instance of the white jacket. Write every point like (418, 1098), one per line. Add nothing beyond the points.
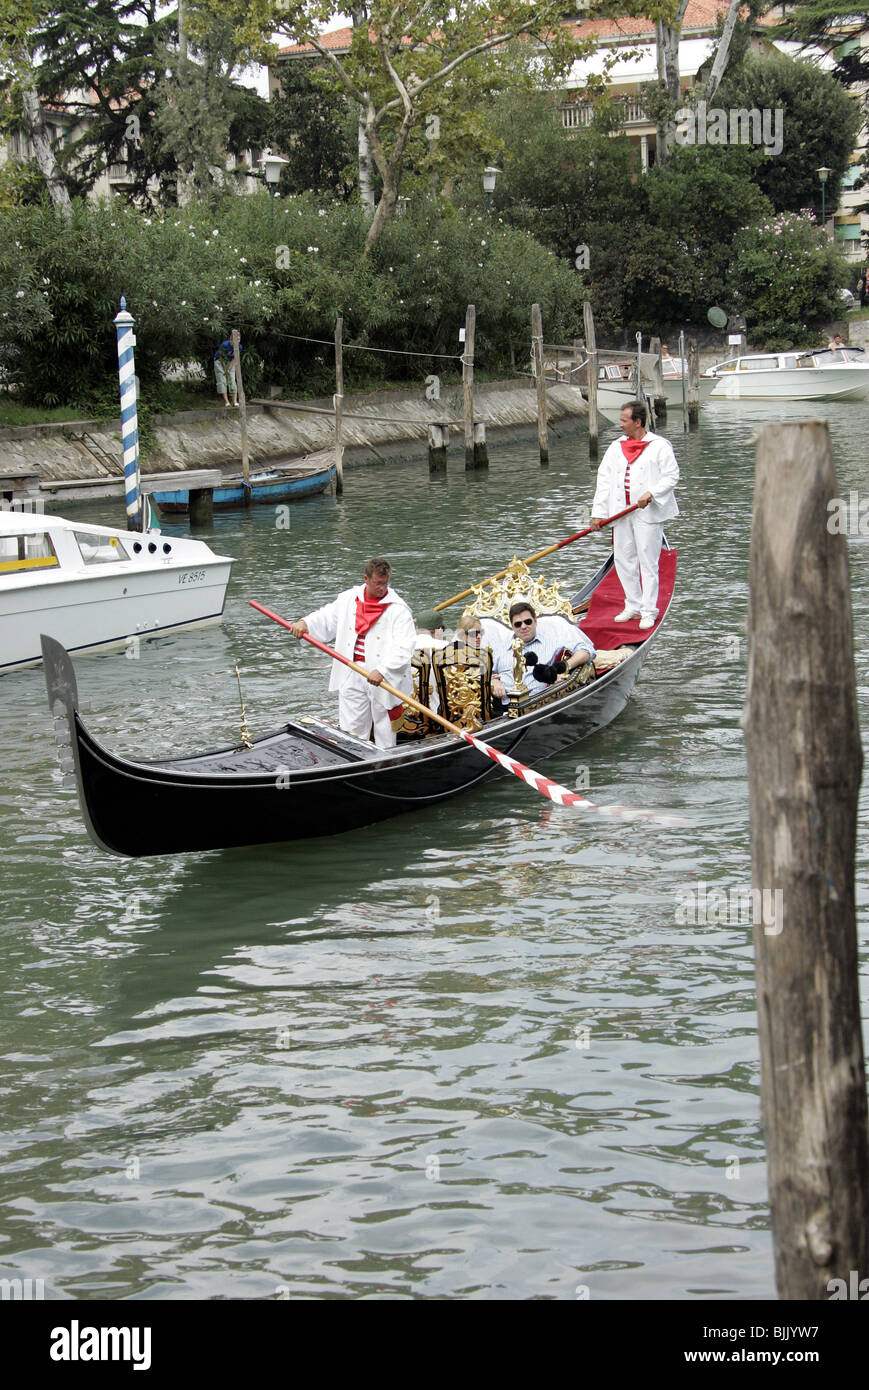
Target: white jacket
(389, 643)
(655, 471)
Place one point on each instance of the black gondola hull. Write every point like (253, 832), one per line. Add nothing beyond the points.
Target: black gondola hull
(306, 779)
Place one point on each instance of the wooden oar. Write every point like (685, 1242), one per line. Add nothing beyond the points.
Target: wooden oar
(568, 540)
(560, 795)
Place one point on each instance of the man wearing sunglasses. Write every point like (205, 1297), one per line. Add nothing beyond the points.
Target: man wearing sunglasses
(553, 647)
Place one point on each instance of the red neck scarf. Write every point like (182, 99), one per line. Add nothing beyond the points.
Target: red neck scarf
(368, 610)
(632, 448)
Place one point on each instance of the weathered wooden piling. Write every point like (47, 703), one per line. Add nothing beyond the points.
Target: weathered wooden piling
(805, 764)
(659, 400)
(438, 442)
(235, 339)
(693, 383)
(339, 405)
(537, 357)
(591, 351)
(468, 383)
(200, 505)
(481, 451)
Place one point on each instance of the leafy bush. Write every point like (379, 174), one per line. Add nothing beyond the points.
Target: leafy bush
(785, 279)
(191, 275)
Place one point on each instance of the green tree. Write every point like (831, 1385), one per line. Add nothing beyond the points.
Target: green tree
(819, 126)
(312, 125)
(404, 64)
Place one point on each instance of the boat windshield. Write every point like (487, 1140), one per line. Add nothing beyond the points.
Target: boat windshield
(99, 550)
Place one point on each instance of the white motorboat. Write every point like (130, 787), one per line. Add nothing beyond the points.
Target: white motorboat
(94, 587)
(823, 374)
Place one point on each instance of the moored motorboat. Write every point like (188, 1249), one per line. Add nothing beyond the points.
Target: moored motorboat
(95, 587)
(823, 374)
(308, 778)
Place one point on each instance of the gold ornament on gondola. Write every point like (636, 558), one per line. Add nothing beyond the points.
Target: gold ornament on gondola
(245, 732)
(463, 696)
(495, 598)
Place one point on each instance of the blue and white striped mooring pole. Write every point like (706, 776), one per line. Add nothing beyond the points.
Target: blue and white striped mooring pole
(129, 414)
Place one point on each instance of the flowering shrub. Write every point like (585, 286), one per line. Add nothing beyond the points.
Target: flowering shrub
(191, 275)
(785, 278)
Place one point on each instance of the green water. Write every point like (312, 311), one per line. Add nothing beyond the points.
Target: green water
(471, 1053)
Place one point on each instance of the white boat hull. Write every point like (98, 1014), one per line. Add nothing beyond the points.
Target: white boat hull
(92, 588)
(101, 611)
(798, 384)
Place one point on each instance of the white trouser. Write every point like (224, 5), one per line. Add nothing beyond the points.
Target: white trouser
(637, 545)
(359, 708)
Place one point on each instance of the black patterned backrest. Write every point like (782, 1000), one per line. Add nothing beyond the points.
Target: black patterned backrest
(463, 677)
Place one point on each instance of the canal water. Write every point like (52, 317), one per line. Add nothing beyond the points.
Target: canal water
(479, 1052)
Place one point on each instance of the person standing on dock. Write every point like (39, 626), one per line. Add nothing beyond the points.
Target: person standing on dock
(224, 371)
(370, 624)
(639, 468)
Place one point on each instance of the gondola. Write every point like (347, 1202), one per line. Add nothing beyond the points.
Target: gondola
(308, 778)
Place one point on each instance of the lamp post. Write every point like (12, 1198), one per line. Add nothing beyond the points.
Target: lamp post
(823, 174)
(271, 165)
(490, 175)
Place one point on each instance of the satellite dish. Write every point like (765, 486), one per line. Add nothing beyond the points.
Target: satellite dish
(717, 317)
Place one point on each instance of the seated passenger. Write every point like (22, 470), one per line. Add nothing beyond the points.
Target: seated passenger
(429, 631)
(544, 639)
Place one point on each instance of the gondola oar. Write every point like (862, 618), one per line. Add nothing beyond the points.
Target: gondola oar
(568, 540)
(560, 795)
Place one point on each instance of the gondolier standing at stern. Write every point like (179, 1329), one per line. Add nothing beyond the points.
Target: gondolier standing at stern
(372, 625)
(640, 467)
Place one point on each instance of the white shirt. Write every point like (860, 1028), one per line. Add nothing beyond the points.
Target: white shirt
(553, 633)
(655, 470)
(389, 643)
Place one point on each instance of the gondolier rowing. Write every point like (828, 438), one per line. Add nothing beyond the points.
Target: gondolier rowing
(373, 625)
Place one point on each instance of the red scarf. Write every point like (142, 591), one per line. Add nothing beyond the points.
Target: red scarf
(632, 448)
(368, 610)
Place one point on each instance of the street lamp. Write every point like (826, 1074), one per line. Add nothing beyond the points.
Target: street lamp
(490, 175)
(271, 165)
(823, 174)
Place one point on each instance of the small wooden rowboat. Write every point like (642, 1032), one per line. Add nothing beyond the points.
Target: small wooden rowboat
(308, 778)
(272, 486)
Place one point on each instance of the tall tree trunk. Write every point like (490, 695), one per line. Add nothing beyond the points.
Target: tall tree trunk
(667, 38)
(46, 159)
(359, 15)
(366, 167)
(722, 56)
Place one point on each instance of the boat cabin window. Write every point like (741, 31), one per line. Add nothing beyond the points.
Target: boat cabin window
(789, 362)
(99, 550)
(807, 361)
(33, 552)
(758, 364)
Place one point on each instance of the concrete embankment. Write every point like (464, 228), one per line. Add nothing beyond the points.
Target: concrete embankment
(88, 452)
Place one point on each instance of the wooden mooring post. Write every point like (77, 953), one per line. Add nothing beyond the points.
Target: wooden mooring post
(468, 383)
(339, 405)
(537, 358)
(693, 384)
(235, 339)
(805, 764)
(591, 352)
(438, 442)
(659, 400)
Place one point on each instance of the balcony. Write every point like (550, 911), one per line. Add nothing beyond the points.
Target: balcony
(575, 114)
(120, 174)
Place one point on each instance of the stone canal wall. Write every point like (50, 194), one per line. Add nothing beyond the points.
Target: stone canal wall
(375, 425)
